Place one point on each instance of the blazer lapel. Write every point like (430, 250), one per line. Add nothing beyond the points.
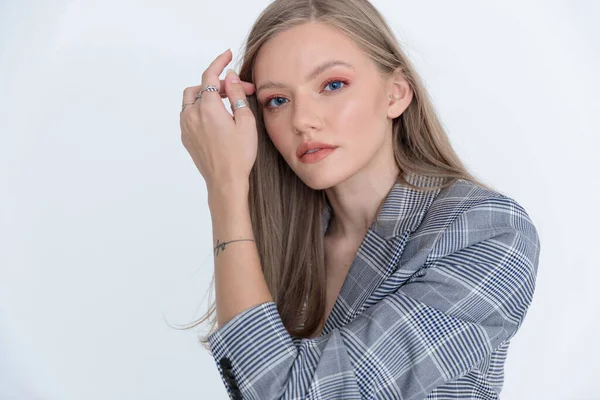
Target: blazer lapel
(379, 252)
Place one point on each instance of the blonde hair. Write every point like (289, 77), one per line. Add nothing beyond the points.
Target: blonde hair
(282, 206)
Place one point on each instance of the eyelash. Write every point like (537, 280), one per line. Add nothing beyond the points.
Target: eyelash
(326, 83)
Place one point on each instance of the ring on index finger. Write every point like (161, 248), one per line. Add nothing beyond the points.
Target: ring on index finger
(207, 88)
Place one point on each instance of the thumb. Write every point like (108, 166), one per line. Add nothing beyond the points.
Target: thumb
(235, 91)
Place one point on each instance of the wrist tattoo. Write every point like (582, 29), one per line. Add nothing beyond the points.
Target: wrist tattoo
(221, 246)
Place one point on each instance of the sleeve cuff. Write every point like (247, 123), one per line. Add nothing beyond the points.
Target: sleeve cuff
(252, 339)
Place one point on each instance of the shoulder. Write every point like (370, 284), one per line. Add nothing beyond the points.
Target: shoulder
(466, 213)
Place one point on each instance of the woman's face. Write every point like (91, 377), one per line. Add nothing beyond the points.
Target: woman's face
(343, 105)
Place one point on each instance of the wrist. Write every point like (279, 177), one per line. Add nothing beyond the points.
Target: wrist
(228, 196)
(233, 190)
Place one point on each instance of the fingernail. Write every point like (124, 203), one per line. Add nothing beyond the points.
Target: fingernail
(232, 77)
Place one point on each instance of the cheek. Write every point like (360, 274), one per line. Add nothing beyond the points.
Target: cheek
(275, 132)
(357, 118)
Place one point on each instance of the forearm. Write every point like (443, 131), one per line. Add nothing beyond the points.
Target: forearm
(239, 280)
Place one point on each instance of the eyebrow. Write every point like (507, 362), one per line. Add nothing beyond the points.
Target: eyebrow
(311, 75)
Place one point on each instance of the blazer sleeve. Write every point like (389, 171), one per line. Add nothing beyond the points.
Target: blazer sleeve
(469, 298)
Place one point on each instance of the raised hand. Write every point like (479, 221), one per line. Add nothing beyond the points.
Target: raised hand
(222, 146)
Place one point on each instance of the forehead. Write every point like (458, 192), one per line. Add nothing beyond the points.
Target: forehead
(291, 54)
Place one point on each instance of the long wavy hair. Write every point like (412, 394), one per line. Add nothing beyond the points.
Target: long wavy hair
(282, 205)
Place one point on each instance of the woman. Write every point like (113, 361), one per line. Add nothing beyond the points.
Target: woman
(355, 257)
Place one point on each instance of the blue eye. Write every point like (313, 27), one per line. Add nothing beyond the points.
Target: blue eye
(336, 81)
(335, 84)
(268, 103)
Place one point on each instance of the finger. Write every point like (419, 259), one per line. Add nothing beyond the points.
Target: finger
(235, 92)
(189, 94)
(208, 78)
(247, 86)
(211, 75)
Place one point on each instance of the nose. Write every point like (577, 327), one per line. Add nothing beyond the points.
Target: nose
(306, 114)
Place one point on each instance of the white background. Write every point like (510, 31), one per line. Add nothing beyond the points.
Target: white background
(105, 233)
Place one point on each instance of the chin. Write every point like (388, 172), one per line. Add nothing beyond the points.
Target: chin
(320, 180)
(321, 185)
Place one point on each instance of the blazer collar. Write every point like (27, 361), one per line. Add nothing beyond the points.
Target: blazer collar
(377, 258)
(403, 208)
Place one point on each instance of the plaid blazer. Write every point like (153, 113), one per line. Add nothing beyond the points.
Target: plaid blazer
(427, 309)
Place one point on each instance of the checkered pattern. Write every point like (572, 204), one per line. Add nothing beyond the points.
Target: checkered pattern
(427, 310)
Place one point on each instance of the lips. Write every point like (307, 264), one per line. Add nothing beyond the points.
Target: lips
(306, 146)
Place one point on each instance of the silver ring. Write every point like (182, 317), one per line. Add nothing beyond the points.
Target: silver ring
(183, 106)
(239, 104)
(207, 88)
